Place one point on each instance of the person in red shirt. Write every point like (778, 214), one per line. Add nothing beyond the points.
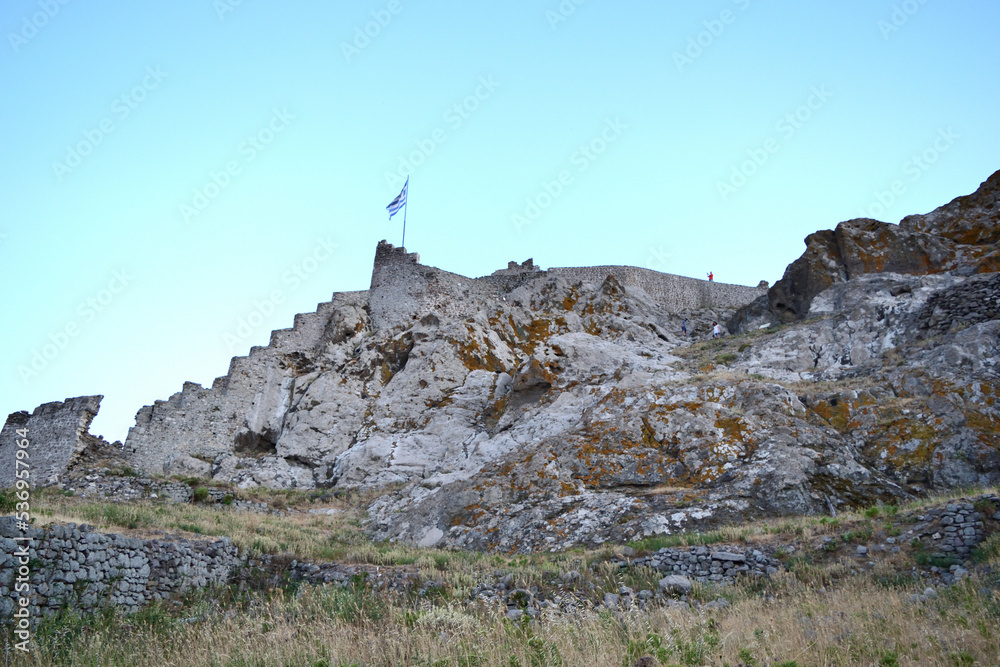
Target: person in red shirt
(710, 276)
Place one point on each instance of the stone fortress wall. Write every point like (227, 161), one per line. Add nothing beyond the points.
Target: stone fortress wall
(401, 287)
(189, 432)
(184, 434)
(674, 293)
(57, 435)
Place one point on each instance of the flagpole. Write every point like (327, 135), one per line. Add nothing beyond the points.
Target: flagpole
(405, 207)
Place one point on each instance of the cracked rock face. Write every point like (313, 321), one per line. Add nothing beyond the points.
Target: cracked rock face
(534, 409)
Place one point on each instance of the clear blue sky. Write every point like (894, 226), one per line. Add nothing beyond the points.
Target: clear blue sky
(170, 168)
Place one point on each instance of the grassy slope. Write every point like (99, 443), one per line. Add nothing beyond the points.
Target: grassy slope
(826, 609)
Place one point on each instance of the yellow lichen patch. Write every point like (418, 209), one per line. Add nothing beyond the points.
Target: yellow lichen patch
(732, 428)
(648, 435)
(904, 444)
(529, 335)
(394, 356)
(473, 356)
(840, 412)
(495, 410)
(570, 300)
(986, 424)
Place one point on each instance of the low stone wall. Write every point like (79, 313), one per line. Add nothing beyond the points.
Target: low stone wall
(954, 530)
(75, 567)
(715, 565)
(972, 302)
(130, 489)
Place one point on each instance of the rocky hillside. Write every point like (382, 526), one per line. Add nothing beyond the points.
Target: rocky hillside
(534, 410)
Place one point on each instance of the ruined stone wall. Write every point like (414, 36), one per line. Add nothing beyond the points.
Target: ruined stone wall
(974, 301)
(674, 293)
(57, 433)
(186, 433)
(75, 567)
(720, 564)
(402, 289)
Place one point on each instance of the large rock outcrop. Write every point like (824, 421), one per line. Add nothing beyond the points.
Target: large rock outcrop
(960, 236)
(385, 386)
(535, 409)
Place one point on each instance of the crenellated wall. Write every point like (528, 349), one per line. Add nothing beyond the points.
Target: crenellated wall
(402, 288)
(198, 431)
(185, 434)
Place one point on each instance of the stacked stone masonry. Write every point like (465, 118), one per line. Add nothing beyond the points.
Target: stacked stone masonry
(186, 433)
(974, 301)
(58, 432)
(74, 567)
(710, 565)
(129, 489)
(955, 530)
(673, 293)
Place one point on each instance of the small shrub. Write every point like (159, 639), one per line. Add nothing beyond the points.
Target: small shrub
(7, 501)
(872, 512)
(987, 550)
(890, 659)
(190, 527)
(862, 535)
(228, 499)
(653, 645)
(925, 559)
(200, 494)
(726, 358)
(985, 506)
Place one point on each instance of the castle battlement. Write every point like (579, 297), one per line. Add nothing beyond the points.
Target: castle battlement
(401, 286)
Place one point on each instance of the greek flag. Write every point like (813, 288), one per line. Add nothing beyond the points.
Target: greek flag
(399, 202)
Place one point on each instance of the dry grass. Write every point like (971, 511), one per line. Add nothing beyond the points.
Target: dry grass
(861, 622)
(822, 611)
(299, 534)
